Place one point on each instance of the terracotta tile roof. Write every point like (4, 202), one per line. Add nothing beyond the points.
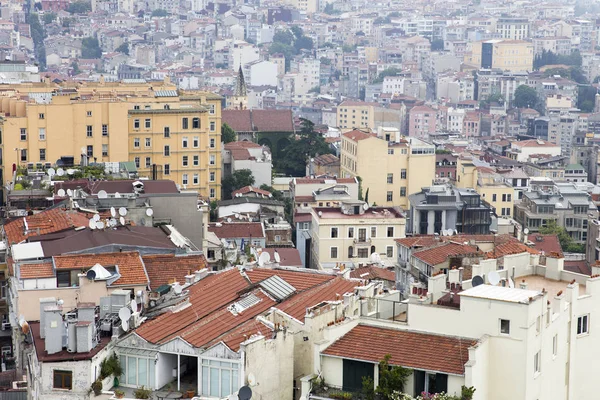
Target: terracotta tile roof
(407, 348)
(241, 333)
(129, 265)
(237, 230)
(579, 267)
(161, 268)
(251, 189)
(509, 248)
(534, 143)
(326, 159)
(242, 144)
(302, 280)
(297, 305)
(39, 270)
(273, 120)
(417, 241)
(439, 254)
(47, 221)
(238, 120)
(372, 272)
(421, 109)
(289, 256)
(357, 135)
(546, 243)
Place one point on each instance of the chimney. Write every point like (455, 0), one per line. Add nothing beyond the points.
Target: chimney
(454, 276)
(45, 302)
(558, 303)
(189, 279)
(201, 274)
(84, 336)
(54, 327)
(436, 285)
(554, 266)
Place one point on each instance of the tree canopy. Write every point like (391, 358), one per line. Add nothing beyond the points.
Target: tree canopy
(290, 43)
(235, 181)
(525, 97)
(550, 58)
(38, 35)
(80, 7)
(566, 241)
(228, 135)
(123, 48)
(392, 71)
(90, 48)
(49, 17)
(308, 144)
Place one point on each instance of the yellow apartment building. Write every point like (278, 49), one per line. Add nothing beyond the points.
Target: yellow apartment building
(41, 123)
(507, 55)
(389, 171)
(356, 115)
(490, 185)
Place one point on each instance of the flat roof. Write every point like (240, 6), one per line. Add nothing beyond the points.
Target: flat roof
(501, 293)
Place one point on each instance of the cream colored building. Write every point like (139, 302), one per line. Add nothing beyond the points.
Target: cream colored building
(389, 171)
(507, 55)
(356, 115)
(350, 234)
(113, 122)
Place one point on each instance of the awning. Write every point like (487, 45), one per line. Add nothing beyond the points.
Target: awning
(129, 351)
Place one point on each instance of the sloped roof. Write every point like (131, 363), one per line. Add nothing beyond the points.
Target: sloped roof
(229, 230)
(371, 272)
(302, 279)
(410, 349)
(47, 221)
(509, 248)
(357, 135)
(238, 120)
(37, 270)
(273, 120)
(439, 254)
(161, 268)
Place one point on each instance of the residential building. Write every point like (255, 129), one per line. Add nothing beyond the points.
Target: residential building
(421, 122)
(523, 150)
(560, 45)
(514, 28)
(248, 155)
(355, 115)
(389, 170)
(503, 54)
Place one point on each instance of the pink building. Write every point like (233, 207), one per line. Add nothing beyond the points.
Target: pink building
(421, 121)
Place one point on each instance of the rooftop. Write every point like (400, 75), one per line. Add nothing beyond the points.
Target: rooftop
(371, 213)
(501, 293)
(164, 268)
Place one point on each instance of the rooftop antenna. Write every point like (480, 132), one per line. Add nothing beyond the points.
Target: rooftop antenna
(113, 212)
(91, 274)
(61, 193)
(69, 192)
(70, 171)
(25, 224)
(112, 222)
(511, 283)
(365, 206)
(177, 288)
(133, 305)
(494, 278)
(125, 325)
(96, 217)
(124, 315)
(117, 195)
(99, 225)
(477, 280)
(245, 393)
(228, 219)
(102, 194)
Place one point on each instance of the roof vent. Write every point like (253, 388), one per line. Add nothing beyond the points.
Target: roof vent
(277, 288)
(243, 304)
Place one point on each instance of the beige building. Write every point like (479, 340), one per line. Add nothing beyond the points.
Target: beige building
(507, 55)
(356, 115)
(389, 170)
(349, 235)
(167, 134)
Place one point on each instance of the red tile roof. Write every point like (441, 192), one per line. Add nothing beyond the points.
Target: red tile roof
(273, 120)
(417, 241)
(241, 333)
(301, 280)
(289, 257)
(238, 120)
(231, 230)
(357, 135)
(251, 189)
(579, 267)
(407, 348)
(162, 268)
(439, 254)
(47, 221)
(546, 243)
(129, 265)
(242, 144)
(509, 248)
(39, 270)
(371, 272)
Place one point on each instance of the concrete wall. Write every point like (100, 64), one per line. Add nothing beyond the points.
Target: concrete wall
(39, 283)
(164, 368)
(182, 210)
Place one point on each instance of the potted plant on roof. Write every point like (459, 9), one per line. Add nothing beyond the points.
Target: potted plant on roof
(119, 394)
(97, 387)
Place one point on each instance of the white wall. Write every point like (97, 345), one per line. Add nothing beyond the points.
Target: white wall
(164, 368)
(39, 283)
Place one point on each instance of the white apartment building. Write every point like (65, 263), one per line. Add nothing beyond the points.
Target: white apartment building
(455, 119)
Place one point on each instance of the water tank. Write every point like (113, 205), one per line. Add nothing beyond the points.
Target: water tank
(71, 336)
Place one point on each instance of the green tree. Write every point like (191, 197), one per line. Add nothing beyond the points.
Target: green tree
(37, 35)
(285, 37)
(228, 135)
(525, 96)
(391, 378)
(297, 31)
(235, 181)
(308, 144)
(159, 12)
(80, 7)
(75, 67)
(303, 42)
(586, 98)
(566, 241)
(123, 48)
(90, 48)
(49, 18)
(393, 71)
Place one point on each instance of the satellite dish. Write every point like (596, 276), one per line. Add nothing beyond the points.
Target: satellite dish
(112, 222)
(69, 192)
(91, 274)
(124, 314)
(113, 212)
(277, 258)
(70, 171)
(526, 231)
(60, 172)
(61, 193)
(511, 283)
(51, 172)
(102, 194)
(149, 212)
(264, 258)
(99, 224)
(96, 217)
(92, 224)
(450, 232)
(122, 211)
(125, 325)
(245, 393)
(251, 379)
(177, 289)
(237, 216)
(477, 280)
(117, 195)
(365, 206)
(122, 220)
(133, 305)
(494, 278)
(228, 219)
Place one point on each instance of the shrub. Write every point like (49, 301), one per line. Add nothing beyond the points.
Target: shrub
(341, 395)
(142, 393)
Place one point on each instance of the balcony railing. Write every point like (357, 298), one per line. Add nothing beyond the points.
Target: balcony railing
(360, 241)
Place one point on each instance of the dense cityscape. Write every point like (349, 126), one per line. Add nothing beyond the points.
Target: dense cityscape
(299, 199)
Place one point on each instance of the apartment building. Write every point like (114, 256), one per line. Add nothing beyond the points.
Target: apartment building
(351, 234)
(560, 45)
(166, 134)
(513, 28)
(507, 55)
(389, 170)
(356, 115)
(523, 150)
(421, 121)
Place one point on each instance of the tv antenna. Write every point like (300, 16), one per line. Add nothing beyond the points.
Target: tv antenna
(96, 217)
(51, 172)
(122, 220)
(92, 224)
(149, 212)
(91, 274)
(99, 225)
(276, 256)
(60, 172)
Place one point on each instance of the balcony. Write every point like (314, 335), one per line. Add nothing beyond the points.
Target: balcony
(362, 241)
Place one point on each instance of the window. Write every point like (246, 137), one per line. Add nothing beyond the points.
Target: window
(23, 133)
(167, 132)
(104, 150)
(184, 161)
(373, 231)
(211, 109)
(90, 151)
(537, 362)
(390, 196)
(137, 371)
(213, 126)
(167, 150)
(333, 252)
(219, 379)
(148, 142)
(212, 193)
(212, 160)
(555, 345)
(147, 123)
(184, 142)
(147, 107)
(41, 116)
(137, 162)
(196, 142)
(505, 327)
(494, 197)
(403, 191)
(390, 151)
(211, 177)
(196, 160)
(136, 124)
(403, 173)
(389, 251)
(167, 169)
(67, 278)
(212, 143)
(62, 379)
(390, 231)
(136, 107)
(184, 123)
(136, 142)
(195, 179)
(196, 123)
(334, 233)
(184, 179)
(42, 154)
(148, 162)
(89, 113)
(42, 133)
(390, 178)
(351, 232)
(104, 130)
(582, 324)
(23, 154)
